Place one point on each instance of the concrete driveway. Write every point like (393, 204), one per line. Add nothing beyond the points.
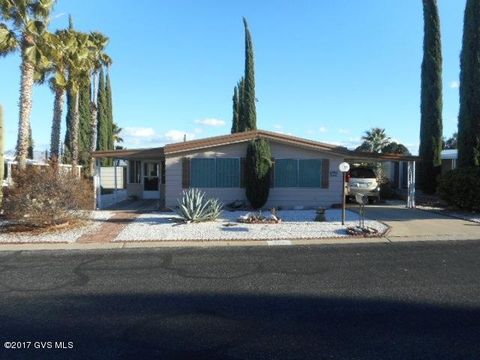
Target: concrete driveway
(413, 224)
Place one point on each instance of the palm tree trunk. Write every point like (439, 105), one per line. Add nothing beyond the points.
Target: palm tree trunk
(56, 124)
(75, 125)
(25, 104)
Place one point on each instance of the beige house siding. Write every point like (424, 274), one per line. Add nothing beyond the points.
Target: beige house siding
(284, 197)
(307, 197)
(173, 172)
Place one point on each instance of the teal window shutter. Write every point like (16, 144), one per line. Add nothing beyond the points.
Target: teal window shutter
(202, 173)
(286, 172)
(228, 173)
(310, 173)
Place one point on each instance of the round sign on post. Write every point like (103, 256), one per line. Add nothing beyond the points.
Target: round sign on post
(344, 167)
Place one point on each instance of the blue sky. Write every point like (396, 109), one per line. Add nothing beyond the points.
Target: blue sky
(325, 70)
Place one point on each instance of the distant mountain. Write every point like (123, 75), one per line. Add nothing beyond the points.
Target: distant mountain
(37, 155)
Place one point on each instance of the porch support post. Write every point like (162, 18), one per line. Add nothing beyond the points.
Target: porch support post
(411, 184)
(98, 182)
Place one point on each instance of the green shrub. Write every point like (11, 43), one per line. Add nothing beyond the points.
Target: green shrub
(461, 188)
(195, 207)
(257, 177)
(41, 196)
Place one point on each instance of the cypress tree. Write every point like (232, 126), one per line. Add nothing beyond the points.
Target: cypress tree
(68, 121)
(109, 112)
(68, 129)
(235, 110)
(248, 104)
(85, 136)
(431, 100)
(103, 126)
(241, 105)
(469, 114)
(102, 111)
(258, 166)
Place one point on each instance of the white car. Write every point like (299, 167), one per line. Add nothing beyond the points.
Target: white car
(362, 180)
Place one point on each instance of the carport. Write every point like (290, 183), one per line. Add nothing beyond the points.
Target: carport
(394, 159)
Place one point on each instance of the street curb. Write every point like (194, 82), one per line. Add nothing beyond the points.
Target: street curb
(213, 243)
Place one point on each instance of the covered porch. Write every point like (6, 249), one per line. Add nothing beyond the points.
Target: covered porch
(145, 176)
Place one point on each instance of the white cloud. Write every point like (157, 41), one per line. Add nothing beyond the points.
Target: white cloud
(344, 131)
(148, 137)
(278, 126)
(322, 129)
(454, 84)
(178, 135)
(210, 122)
(138, 132)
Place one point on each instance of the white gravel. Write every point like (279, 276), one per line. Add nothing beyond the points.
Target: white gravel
(469, 216)
(296, 224)
(58, 236)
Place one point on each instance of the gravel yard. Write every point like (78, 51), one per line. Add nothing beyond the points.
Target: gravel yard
(57, 236)
(296, 224)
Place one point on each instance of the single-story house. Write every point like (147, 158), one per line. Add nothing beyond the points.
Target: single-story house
(305, 172)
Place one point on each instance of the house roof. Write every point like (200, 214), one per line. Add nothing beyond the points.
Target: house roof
(201, 144)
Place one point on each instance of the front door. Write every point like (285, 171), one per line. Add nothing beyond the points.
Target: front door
(151, 172)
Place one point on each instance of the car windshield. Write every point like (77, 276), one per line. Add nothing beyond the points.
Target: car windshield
(362, 173)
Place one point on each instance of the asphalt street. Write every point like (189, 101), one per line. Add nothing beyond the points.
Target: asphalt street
(379, 301)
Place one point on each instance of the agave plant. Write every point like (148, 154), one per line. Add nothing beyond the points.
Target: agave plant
(195, 207)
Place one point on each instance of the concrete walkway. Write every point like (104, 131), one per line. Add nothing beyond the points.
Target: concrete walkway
(415, 225)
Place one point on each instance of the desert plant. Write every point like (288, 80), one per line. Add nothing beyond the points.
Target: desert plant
(195, 207)
(258, 169)
(461, 188)
(42, 196)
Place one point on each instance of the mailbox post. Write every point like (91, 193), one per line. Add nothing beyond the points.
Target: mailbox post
(343, 167)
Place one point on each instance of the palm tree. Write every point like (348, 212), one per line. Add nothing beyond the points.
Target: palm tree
(116, 130)
(60, 49)
(23, 27)
(78, 76)
(376, 139)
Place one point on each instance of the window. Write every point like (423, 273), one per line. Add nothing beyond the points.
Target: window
(134, 169)
(286, 173)
(310, 173)
(298, 173)
(215, 172)
(202, 173)
(228, 173)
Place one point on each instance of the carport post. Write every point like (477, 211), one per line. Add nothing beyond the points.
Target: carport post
(98, 182)
(411, 184)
